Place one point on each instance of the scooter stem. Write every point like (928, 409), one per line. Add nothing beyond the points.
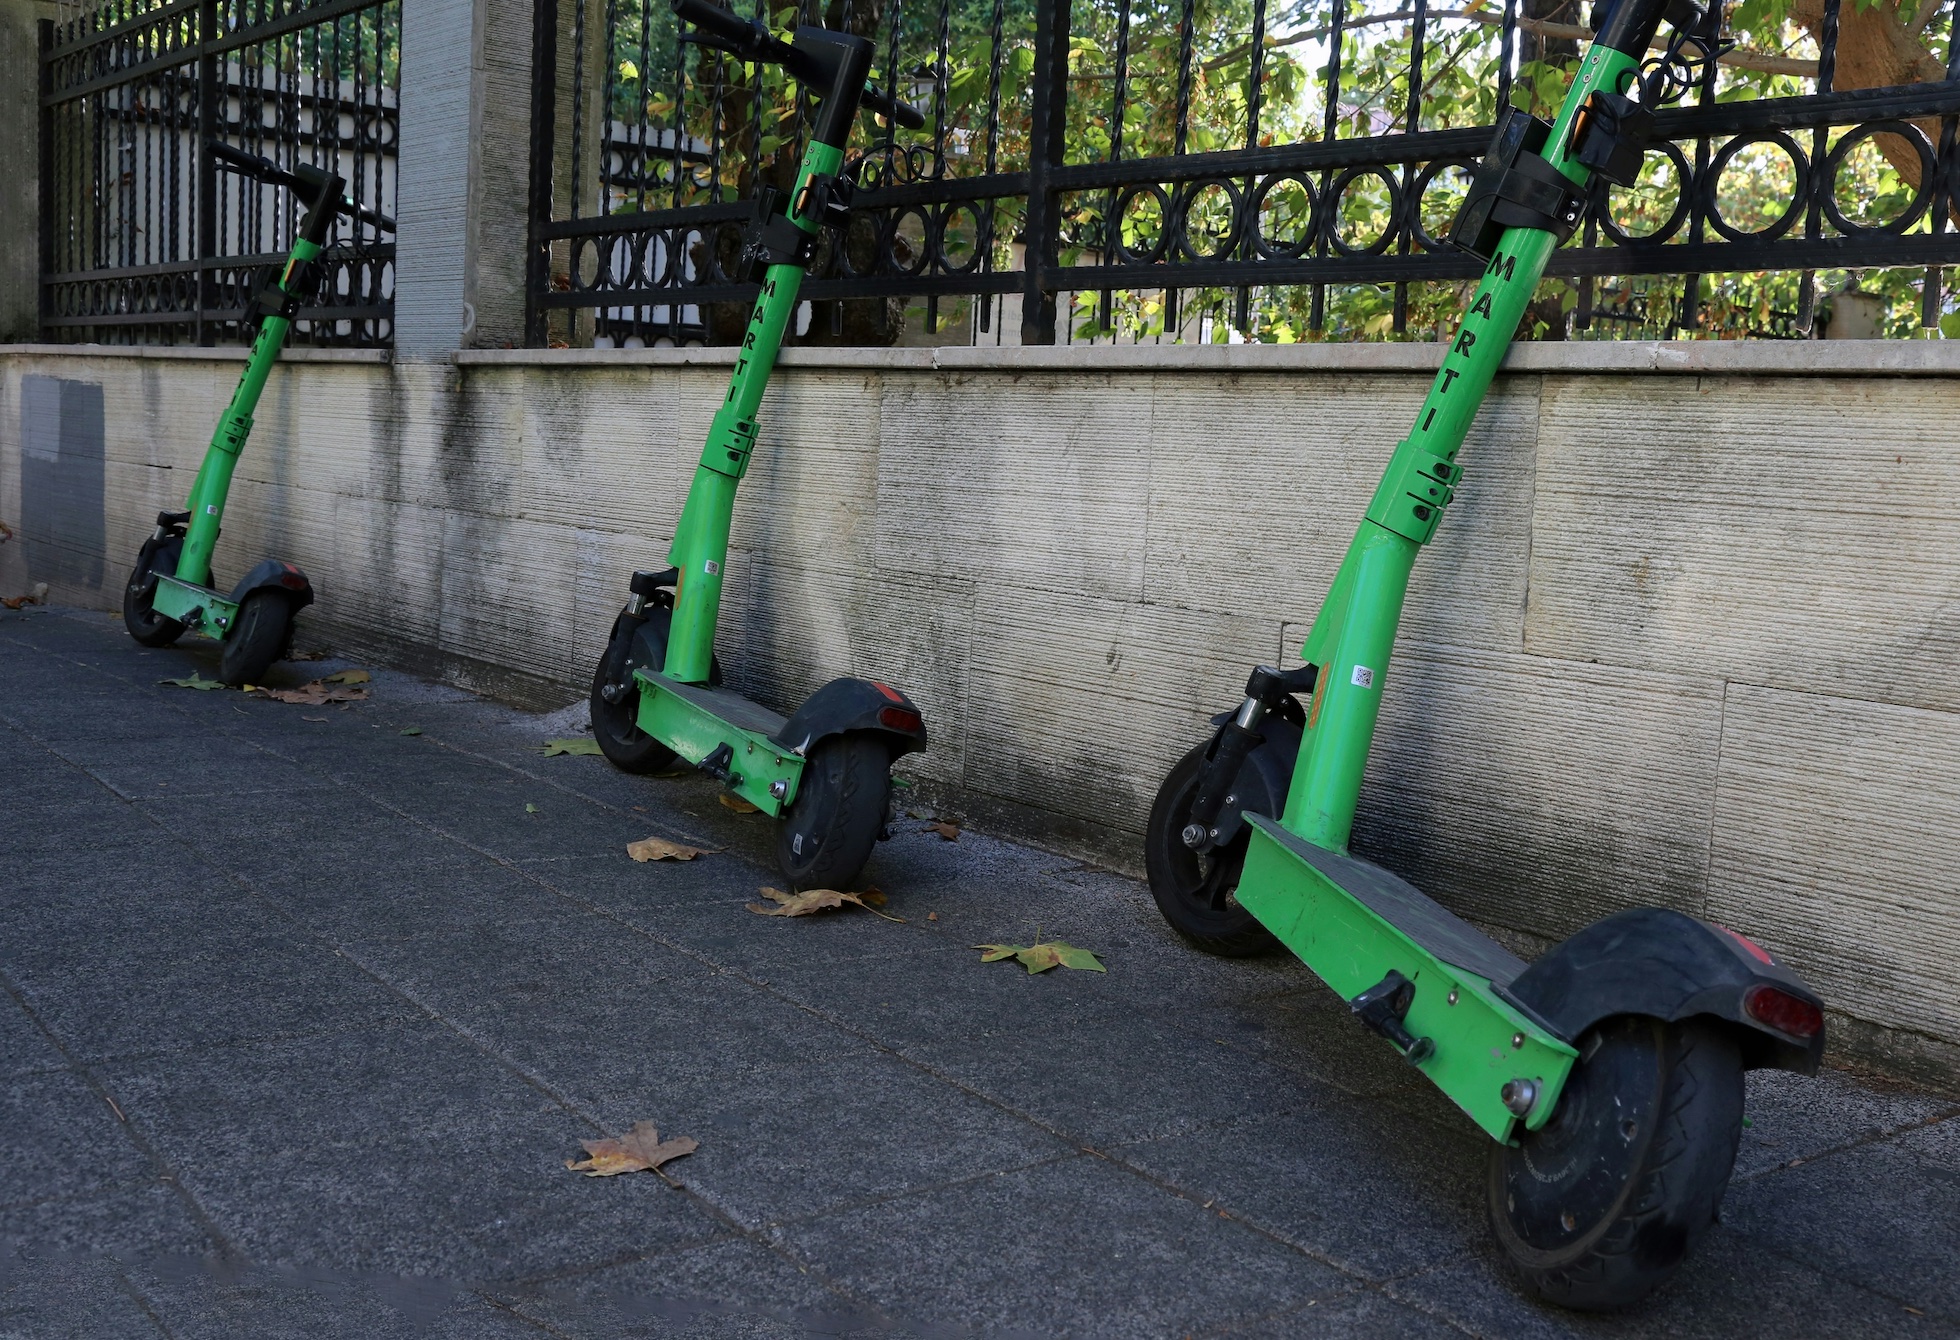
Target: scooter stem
(1354, 634)
(835, 66)
(212, 486)
(700, 548)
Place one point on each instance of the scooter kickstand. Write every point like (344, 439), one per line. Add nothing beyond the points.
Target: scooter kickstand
(1384, 1006)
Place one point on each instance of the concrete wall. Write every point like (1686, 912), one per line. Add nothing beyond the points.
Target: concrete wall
(1691, 634)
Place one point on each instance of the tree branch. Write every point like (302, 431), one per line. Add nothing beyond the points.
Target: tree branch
(1741, 58)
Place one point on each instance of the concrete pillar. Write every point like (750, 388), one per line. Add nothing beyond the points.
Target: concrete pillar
(20, 168)
(464, 155)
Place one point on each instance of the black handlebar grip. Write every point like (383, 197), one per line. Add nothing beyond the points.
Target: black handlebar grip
(706, 14)
(251, 165)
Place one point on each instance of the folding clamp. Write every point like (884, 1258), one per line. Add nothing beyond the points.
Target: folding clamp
(1610, 136)
(1515, 187)
(771, 239)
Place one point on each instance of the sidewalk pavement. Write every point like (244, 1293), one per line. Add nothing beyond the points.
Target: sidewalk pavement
(303, 1015)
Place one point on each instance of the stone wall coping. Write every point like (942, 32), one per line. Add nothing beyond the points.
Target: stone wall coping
(1800, 358)
(224, 353)
(1692, 357)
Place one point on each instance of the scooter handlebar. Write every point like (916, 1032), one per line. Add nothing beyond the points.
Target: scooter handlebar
(265, 170)
(752, 41)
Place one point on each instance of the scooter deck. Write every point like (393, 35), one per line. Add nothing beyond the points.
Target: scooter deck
(1353, 923)
(695, 720)
(198, 608)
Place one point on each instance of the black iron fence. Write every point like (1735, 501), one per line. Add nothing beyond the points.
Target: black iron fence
(143, 238)
(1229, 169)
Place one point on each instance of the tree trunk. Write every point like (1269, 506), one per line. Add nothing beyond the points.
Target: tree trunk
(1880, 47)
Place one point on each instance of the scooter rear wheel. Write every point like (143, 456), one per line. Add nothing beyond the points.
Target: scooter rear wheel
(139, 617)
(258, 637)
(1194, 890)
(826, 835)
(1600, 1206)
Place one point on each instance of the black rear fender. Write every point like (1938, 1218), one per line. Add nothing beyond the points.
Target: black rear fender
(845, 705)
(273, 574)
(1668, 965)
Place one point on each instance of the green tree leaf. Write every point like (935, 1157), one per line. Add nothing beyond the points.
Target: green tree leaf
(575, 745)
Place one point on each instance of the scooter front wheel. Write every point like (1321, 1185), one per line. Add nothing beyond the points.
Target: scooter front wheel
(826, 835)
(1601, 1205)
(616, 720)
(139, 616)
(1194, 890)
(259, 636)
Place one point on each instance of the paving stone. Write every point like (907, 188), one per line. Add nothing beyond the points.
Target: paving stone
(406, 1151)
(733, 1287)
(136, 1222)
(1072, 1247)
(218, 1300)
(70, 1299)
(1901, 1245)
(362, 1007)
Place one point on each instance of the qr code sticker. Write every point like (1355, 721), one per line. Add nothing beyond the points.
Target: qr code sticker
(1364, 678)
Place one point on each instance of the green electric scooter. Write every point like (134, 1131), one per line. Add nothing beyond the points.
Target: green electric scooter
(1608, 1072)
(825, 771)
(171, 588)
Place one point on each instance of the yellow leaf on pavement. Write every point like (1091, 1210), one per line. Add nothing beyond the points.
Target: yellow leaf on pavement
(1043, 955)
(660, 849)
(736, 803)
(636, 1151)
(816, 900)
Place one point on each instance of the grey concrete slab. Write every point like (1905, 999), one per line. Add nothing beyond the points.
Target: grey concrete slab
(184, 981)
(64, 1140)
(360, 1007)
(1730, 1288)
(797, 1142)
(1076, 1246)
(1901, 1245)
(732, 1287)
(407, 1151)
(71, 1299)
(1351, 1184)
(216, 1300)
(139, 1221)
(24, 1046)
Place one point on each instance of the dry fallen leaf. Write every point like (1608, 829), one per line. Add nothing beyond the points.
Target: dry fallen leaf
(315, 693)
(636, 1151)
(1043, 955)
(932, 916)
(575, 745)
(660, 849)
(948, 831)
(816, 900)
(15, 602)
(349, 677)
(736, 803)
(194, 681)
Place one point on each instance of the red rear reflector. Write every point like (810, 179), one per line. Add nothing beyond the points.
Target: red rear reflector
(898, 718)
(1783, 1012)
(888, 691)
(1756, 951)
(292, 581)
